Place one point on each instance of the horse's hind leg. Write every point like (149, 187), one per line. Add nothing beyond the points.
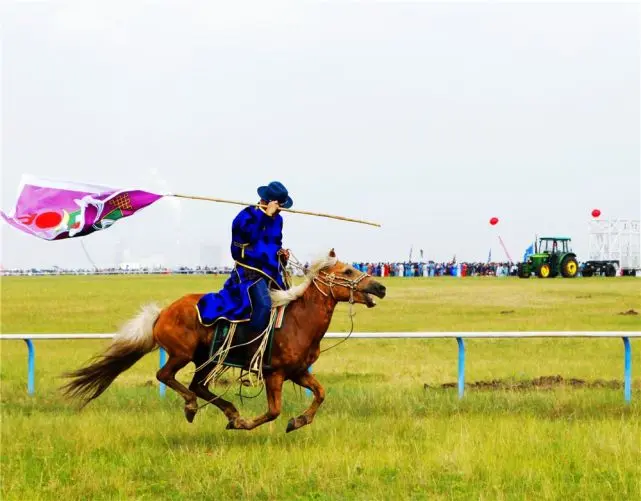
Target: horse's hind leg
(167, 375)
(198, 386)
(307, 380)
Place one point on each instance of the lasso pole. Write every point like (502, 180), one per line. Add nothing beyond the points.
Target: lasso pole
(307, 213)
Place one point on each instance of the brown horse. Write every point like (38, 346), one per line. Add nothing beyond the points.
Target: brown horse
(178, 330)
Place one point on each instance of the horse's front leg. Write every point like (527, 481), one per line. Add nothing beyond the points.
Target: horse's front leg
(274, 388)
(307, 380)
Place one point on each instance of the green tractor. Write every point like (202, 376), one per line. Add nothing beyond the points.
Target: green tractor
(551, 257)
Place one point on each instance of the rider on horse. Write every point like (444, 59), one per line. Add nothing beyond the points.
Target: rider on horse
(260, 262)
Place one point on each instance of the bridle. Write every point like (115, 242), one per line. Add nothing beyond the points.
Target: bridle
(330, 280)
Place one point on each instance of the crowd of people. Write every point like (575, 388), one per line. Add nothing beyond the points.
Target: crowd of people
(434, 269)
(389, 269)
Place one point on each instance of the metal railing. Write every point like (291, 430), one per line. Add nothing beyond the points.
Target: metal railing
(459, 336)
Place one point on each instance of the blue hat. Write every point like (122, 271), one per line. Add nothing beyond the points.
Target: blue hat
(276, 191)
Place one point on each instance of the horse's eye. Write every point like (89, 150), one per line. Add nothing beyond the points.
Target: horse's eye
(349, 272)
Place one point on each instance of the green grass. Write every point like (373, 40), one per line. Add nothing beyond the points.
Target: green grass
(380, 433)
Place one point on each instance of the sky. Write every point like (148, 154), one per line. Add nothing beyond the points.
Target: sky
(429, 118)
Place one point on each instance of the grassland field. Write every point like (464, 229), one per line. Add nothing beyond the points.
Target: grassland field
(388, 430)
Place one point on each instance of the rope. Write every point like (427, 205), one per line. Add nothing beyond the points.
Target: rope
(256, 362)
(240, 390)
(210, 401)
(220, 368)
(351, 330)
(82, 243)
(215, 355)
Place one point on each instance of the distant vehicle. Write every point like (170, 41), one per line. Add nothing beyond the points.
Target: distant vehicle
(601, 267)
(552, 256)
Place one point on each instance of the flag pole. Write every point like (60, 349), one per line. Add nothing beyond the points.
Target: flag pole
(307, 213)
(505, 249)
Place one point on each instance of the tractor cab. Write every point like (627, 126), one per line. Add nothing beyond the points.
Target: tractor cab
(554, 245)
(552, 256)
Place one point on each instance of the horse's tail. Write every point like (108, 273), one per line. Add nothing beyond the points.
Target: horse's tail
(134, 340)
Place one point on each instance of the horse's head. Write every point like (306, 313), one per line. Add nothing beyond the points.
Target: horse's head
(346, 284)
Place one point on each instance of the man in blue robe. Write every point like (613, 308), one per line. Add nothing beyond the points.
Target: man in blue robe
(256, 248)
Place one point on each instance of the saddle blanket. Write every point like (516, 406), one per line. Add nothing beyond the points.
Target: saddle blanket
(243, 344)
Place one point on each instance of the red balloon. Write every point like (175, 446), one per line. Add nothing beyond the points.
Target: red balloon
(596, 213)
(494, 220)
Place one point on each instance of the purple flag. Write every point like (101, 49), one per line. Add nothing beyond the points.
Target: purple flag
(54, 210)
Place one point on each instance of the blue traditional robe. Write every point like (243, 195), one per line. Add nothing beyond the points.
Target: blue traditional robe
(256, 240)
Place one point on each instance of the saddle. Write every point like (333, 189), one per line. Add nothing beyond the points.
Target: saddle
(239, 350)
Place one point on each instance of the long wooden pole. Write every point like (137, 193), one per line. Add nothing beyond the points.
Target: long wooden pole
(307, 213)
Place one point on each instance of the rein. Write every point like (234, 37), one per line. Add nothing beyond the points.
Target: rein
(330, 280)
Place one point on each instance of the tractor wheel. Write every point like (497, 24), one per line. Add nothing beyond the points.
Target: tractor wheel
(543, 271)
(523, 271)
(610, 271)
(569, 267)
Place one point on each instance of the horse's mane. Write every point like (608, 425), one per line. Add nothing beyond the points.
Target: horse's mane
(280, 298)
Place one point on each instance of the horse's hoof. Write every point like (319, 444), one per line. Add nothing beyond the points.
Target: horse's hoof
(190, 414)
(236, 424)
(291, 425)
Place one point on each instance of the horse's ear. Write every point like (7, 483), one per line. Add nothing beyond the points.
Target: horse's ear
(332, 253)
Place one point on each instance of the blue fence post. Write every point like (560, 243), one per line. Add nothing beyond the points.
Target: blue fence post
(307, 390)
(31, 368)
(163, 358)
(627, 370)
(461, 367)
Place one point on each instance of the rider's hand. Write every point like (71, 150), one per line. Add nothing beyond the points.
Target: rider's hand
(272, 207)
(284, 253)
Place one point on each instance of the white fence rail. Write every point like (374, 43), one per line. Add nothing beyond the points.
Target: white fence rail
(459, 336)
